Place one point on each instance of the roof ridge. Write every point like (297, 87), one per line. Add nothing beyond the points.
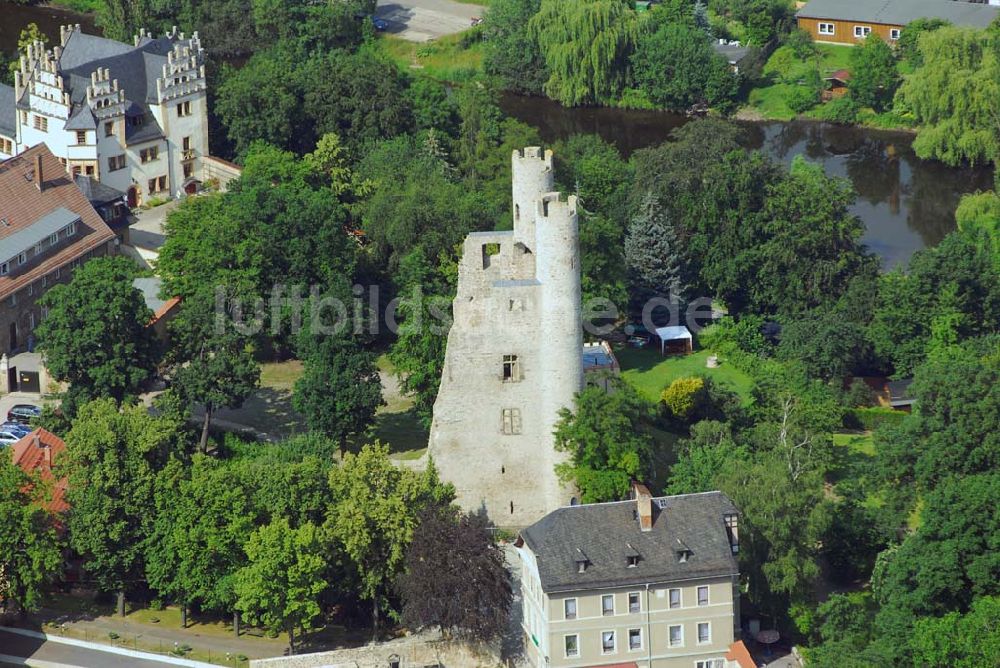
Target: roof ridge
(662, 496)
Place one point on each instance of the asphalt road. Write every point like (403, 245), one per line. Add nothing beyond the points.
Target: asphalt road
(424, 20)
(18, 650)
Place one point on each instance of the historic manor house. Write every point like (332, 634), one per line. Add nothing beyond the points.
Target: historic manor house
(133, 117)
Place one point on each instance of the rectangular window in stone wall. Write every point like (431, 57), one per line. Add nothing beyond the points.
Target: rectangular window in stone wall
(511, 419)
(511, 369)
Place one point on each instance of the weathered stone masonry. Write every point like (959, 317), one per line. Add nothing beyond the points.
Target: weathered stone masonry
(513, 357)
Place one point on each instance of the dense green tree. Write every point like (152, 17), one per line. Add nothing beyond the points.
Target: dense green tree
(424, 316)
(113, 457)
(279, 588)
(828, 345)
(29, 35)
(358, 95)
(978, 217)
(195, 545)
(702, 456)
(433, 107)
(339, 390)
(607, 444)
(677, 67)
(375, 516)
(511, 53)
(957, 277)
(953, 96)
(267, 84)
(783, 519)
(585, 46)
(30, 548)
(465, 589)
(212, 361)
(120, 20)
(946, 564)
(95, 336)
(874, 77)
(959, 640)
(908, 45)
(652, 254)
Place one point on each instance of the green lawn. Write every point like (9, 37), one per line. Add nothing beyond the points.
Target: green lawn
(445, 59)
(280, 375)
(81, 6)
(782, 72)
(649, 372)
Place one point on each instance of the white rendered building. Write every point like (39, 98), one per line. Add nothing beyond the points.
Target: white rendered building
(134, 117)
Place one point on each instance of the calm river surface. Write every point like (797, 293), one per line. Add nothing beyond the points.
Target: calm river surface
(906, 203)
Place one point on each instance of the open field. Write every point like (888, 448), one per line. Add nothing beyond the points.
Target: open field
(451, 58)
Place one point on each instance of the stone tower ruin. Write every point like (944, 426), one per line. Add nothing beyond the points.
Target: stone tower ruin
(514, 354)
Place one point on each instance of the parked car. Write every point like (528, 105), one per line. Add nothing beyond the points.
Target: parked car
(8, 438)
(23, 413)
(16, 428)
(380, 24)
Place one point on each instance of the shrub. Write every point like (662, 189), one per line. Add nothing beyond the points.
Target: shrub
(801, 98)
(872, 418)
(156, 604)
(842, 111)
(684, 396)
(801, 43)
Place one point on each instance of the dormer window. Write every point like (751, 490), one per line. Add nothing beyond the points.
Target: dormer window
(22, 258)
(4, 268)
(581, 561)
(631, 556)
(682, 551)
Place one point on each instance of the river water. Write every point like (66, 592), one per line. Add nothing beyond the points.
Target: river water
(906, 203)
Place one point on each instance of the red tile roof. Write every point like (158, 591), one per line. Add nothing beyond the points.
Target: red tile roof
(739, 653)
(35, 453)
(21, 204)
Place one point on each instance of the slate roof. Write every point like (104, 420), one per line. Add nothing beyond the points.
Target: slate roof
(135, 67)
(83, 119)
(150, 289)
(21, 205)
(36, 232)
(901, 12)
(8, 112)
(96, 192)
(29, 454)
(605, 533)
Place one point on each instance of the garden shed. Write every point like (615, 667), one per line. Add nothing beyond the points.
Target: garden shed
(675, 339)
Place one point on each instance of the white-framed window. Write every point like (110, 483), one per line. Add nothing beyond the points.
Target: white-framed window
(81, 136)
(149, 154)
(116, 162)
(608, 604)
(703, 595)
(893, 33)
(607, 642)
(675, 635)
(53, 239)
(511, 421)
(511, 369)
(31, 289)
(862, 31)
(41, 123)
(704, 633)
(4, 269)
(71, 229)
(675, 599)
(710, 663)
(571, 645)
(22, 257)
(13, 300)
(827, 29)
(38, 248)
(183, 109)
(31, 320)
(109, 129)
(634, 604)
(569, 608)
(634, 640)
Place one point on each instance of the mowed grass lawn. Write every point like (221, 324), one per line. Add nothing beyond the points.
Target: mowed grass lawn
(650, 373)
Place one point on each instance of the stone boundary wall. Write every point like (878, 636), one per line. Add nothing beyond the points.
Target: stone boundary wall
(416, 651)
(221, 170)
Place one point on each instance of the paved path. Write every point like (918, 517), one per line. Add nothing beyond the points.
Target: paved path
(424, 20)
(19, 650)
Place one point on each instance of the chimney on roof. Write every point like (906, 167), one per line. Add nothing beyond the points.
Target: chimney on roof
(39, 178)
(643, 506)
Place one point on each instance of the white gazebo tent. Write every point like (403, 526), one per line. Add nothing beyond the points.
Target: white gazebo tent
(677, 335)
